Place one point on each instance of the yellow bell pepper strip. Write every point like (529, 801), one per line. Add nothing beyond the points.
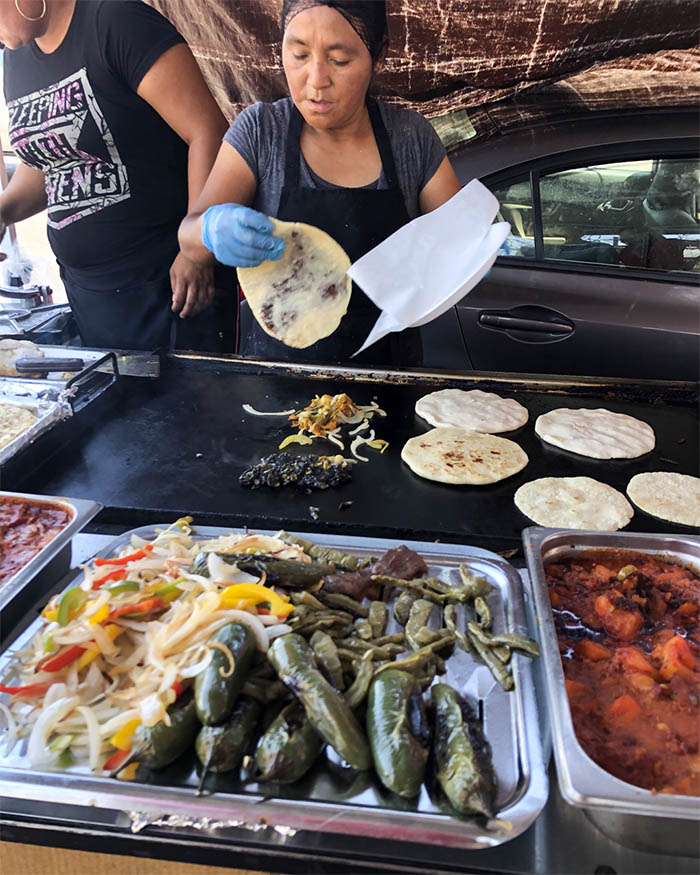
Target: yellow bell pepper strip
(93, 651)
(71, 603)
(256, 594)
(122, 738)
(124, 560)
(295, 439)
(99, 615)
(50, 614)
(170, 591)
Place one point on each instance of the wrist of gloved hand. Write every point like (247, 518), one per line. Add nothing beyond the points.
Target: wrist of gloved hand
(239, 236)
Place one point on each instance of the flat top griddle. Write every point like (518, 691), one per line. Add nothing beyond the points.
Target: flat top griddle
(159, 448)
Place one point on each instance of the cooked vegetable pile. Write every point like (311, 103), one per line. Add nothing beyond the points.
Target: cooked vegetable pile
(259, 651)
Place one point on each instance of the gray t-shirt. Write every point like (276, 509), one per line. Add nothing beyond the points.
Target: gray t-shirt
(259, 135)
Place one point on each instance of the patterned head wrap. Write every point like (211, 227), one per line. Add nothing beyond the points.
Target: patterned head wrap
(366, 17)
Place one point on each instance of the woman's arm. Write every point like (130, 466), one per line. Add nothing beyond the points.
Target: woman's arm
(231, 181)
(440, 188)
(175, 88)
(24, 196)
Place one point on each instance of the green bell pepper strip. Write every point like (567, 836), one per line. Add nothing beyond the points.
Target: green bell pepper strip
(71, 602)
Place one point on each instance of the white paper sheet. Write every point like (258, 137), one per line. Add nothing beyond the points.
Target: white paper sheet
(424, 268)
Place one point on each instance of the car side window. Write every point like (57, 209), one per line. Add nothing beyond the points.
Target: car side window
(629, 214)
(515, 199)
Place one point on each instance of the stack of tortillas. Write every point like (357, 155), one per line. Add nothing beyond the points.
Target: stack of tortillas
(11, 350)
(574, 503)
(474, 410)
(599, 434)
(456, 456)
(667, 495)
(302, 297)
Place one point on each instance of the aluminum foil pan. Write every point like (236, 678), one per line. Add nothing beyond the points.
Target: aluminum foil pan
(328, 801)
(638, 818)
(47, 413)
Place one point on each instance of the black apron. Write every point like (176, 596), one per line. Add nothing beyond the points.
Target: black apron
(138, 315)
(358, 219)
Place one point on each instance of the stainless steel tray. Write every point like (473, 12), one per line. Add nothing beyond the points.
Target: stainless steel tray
(19, 585)
(326, 801)
(47, 413)
(661, 822)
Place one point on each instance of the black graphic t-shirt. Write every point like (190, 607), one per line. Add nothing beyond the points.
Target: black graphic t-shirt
(116, 173)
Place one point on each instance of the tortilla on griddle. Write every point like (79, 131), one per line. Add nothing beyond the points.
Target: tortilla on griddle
(456, 456)
(302, 297)
(598, 434)
(14, 421)
(667, 495)
(473, 410)
(574, 503)
(11, 350)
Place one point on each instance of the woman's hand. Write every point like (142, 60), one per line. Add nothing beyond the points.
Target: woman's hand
(192, 285)
(239, 236)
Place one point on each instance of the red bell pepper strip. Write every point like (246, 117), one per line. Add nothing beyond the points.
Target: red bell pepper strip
(26, 689)
(119, 574)
(132, 557)
(140, 610)
(177, 689)
(115, 760)
(64, 657)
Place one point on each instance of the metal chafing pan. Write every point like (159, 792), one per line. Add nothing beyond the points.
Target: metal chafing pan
(49, 564)
(630, 815)
(329, 801)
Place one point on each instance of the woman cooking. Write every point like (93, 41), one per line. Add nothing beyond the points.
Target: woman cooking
(330, 156)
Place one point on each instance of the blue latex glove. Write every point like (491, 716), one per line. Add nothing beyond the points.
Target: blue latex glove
(239, 236)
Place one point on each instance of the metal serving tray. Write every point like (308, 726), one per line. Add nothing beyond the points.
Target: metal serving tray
(47, 413)
(330, 800)
(633, 816)
(27, 583)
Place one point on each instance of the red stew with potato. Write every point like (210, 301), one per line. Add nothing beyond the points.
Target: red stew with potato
(628, 626)
(25, 527)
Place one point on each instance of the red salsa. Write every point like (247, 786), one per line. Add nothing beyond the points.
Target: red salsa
(25, 527)
(627, 625)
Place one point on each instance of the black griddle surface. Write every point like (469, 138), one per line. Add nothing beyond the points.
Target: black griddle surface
(151, 450)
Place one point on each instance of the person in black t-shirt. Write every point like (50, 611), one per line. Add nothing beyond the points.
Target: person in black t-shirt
(116, 131)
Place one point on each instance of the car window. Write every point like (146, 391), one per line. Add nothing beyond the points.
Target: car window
(638, 214)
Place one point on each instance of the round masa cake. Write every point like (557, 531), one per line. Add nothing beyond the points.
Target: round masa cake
(667, 495)
(473, 410)
(598, 434)
(301, 298)
(458, 457)
(573, 503)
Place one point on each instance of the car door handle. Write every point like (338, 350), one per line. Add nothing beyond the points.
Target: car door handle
(516, 323)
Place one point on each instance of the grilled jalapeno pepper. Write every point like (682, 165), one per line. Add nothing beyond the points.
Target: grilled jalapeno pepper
(398, 730)
(326, 708)
(462, 754)
(160, 745)
(280, 572)
(289, 746)
(221, 748)
(217, 687)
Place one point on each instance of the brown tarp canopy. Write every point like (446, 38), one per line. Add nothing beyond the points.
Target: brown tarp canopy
(505, 62)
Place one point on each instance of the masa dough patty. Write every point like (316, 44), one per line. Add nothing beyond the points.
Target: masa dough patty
(599, 433)
(667, 495)
(473, 410)
(302, 297)
(14, 420)
(573, 503)
(456, 456)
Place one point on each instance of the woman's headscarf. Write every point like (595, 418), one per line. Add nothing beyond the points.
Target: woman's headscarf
(366, 17)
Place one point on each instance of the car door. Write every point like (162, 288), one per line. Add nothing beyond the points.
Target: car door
(599, 275)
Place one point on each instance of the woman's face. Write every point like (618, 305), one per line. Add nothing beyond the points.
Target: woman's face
(328, 67)
(16, 31)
